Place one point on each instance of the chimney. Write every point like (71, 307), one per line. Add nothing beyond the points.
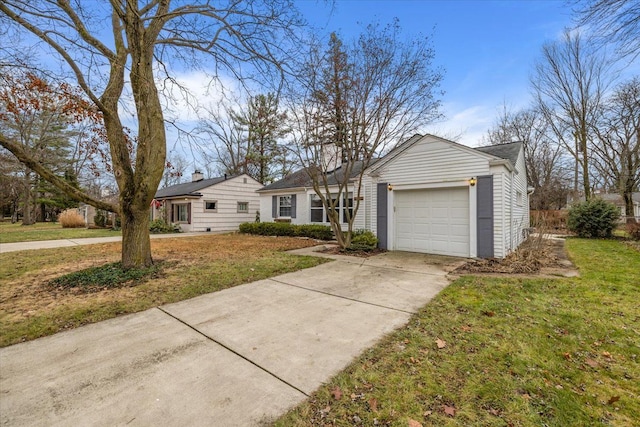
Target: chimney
(331, 156)
(196, 176)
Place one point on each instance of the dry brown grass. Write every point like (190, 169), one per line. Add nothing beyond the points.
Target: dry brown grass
(195, 265)
(71, 219)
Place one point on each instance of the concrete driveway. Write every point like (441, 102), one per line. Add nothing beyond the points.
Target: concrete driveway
(239, 357)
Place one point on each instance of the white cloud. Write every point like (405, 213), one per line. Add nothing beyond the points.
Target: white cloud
(466, 125)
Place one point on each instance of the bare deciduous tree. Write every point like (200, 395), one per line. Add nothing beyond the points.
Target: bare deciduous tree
(613, 21)
(570, 82)
(359, 100)
(141, 38)
(546, 169)
(618, 144)
(249, 138)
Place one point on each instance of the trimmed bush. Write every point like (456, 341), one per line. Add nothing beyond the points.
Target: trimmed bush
(100, 219)
(363, 240)
(71, 219)
(160, 226)
(314, 231)
(593, 218)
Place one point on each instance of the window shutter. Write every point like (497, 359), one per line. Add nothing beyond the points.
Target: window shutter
(293, 206)
(274, 207)
(189, 213)
(173, 213)
(381, 216)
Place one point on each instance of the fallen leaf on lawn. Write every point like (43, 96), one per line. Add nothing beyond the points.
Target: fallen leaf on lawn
(465, 328)
(337, 393)
(526, 396)
(440, 343)
(494, 411)
(427, 413)
(559, 387)
(567, 356)
(613, 400)
(591, 363)
(414, 423)
(450, 410)
(607, 355)
(373, 404)
(489, 313)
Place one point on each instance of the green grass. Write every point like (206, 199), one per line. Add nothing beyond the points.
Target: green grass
(519, 352)
(12, 233)
(106, 276)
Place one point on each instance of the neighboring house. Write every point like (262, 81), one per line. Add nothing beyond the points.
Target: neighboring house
(617, 200)
(89, 212)
(215, 204)
(427, 195)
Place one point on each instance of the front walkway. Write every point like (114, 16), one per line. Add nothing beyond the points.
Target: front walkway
(238, 357)
(63, 243)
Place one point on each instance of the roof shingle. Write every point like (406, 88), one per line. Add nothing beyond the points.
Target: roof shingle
(188, 188)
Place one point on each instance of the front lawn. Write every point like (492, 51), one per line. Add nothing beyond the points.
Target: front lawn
(12, 233)
(504, 352)
(31, 307)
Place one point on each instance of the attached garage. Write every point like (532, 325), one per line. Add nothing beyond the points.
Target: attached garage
(433, 221)
(435, 196)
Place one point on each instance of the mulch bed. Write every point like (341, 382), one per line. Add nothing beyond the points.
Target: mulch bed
(533, 256)
(335, 250)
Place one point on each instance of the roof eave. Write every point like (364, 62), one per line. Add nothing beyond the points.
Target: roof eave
(180, 196)
(503, 162)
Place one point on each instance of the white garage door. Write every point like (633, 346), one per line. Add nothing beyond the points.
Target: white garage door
(433, 221)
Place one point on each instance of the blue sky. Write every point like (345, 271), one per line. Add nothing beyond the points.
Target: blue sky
(487, 48)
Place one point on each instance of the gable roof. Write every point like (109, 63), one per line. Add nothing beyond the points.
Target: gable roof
(189, 188)
(301, 178)
(509, 151)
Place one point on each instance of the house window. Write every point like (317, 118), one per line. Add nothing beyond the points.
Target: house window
(243, 207)
(317, 210)
(211, 205)
(519, 198)
(320, 214)
(284, 206)
(181, 212)
(347, 206)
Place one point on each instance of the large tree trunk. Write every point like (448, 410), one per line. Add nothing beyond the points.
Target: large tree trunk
(627, 195)
(136, 245)
(28, 201)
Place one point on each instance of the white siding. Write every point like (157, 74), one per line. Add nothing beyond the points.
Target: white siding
(499, 212)
(227, 194)
(302, 206)
(368, 210)
(433, 160)
(521, 206)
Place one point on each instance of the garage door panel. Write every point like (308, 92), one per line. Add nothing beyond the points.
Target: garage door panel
(433, 221)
